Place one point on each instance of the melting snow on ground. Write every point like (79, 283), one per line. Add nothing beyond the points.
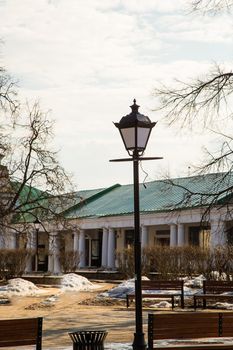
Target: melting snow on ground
(73, 282)
(69, 282)
(224, 306)
(194, 282)
(191, 286)
(121, 290)
(19, 286)
(162, 304)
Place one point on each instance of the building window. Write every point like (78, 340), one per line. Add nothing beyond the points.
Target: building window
(199, 236)
(129, 238)
(194, 235)
(162, 237)
(230, 236)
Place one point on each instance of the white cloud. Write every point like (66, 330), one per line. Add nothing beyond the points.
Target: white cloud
(148, 6)
(196, 28)
(88, 59)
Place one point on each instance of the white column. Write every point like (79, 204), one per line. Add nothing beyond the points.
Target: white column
(144, 235)
(50, 257)
(76, 241)
(82, 248)
(217, 233)
(180, 235)
(54, 253)
(111, 249)
(4, 238)
(12, 244)
(2, 241)
(173, 235)
(29, 248)
(56, 256)
(33, 249)
(104, 261)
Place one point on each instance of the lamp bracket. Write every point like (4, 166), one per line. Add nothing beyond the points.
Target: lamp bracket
(134, 159)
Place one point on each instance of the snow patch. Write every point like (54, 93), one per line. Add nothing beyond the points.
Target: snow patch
(196, 282)
(127, 287)
(118, 346)
(220, 277)
(122, 289)
(226, 306)
(19, 286)
(162, 304)
(73, 282)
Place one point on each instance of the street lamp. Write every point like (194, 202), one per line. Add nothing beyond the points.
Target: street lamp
(37, 224)
(135, 129)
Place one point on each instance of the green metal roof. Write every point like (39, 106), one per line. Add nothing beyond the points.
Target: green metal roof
(36, 203)
(157, 196)
(31, 202)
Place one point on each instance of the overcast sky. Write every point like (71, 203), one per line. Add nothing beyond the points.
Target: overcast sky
(86, 60)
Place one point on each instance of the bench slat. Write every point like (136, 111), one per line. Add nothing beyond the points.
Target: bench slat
(196, 347)
(189, 325)
(163, 285)
(213, 290)
(18, 332)
(217, 287)
(16, 342)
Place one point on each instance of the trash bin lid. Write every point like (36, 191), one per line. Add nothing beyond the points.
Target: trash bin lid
(88, 336)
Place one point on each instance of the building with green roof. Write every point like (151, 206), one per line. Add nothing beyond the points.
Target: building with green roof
(174, 212)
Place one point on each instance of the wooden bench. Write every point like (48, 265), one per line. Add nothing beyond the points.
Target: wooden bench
(18, 332)
(155, 285)
(212, 290)
(189, 326)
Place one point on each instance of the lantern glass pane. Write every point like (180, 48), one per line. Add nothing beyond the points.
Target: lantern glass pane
(143, 134)
(128, 135)
(37, 226)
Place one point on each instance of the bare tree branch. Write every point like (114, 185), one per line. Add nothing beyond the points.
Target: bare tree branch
(205, 102)
(212, 6)
(206, 96)
(8, 94)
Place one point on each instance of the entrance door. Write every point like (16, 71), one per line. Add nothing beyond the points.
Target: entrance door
(42, 263)
(41, 257)
(230, 236)
(96, 252)
(194, 236)
(129, 238)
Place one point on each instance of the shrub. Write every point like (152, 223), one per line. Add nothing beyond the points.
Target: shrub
(125, 261)
(164, 261)
(176, 262)
(69, 261)
(13, 262)
(221, 263)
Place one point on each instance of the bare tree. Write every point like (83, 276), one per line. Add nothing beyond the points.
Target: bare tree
(8, 92)
(34, 185)
(205, 101)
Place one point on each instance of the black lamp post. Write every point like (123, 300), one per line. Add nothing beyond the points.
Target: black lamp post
(135, 129)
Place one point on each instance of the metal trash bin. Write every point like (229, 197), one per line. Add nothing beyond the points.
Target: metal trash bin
(88, 340)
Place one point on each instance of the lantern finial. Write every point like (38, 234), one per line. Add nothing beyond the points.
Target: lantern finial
(134, 107)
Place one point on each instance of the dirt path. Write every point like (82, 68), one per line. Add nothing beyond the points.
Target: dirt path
(72, 311)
